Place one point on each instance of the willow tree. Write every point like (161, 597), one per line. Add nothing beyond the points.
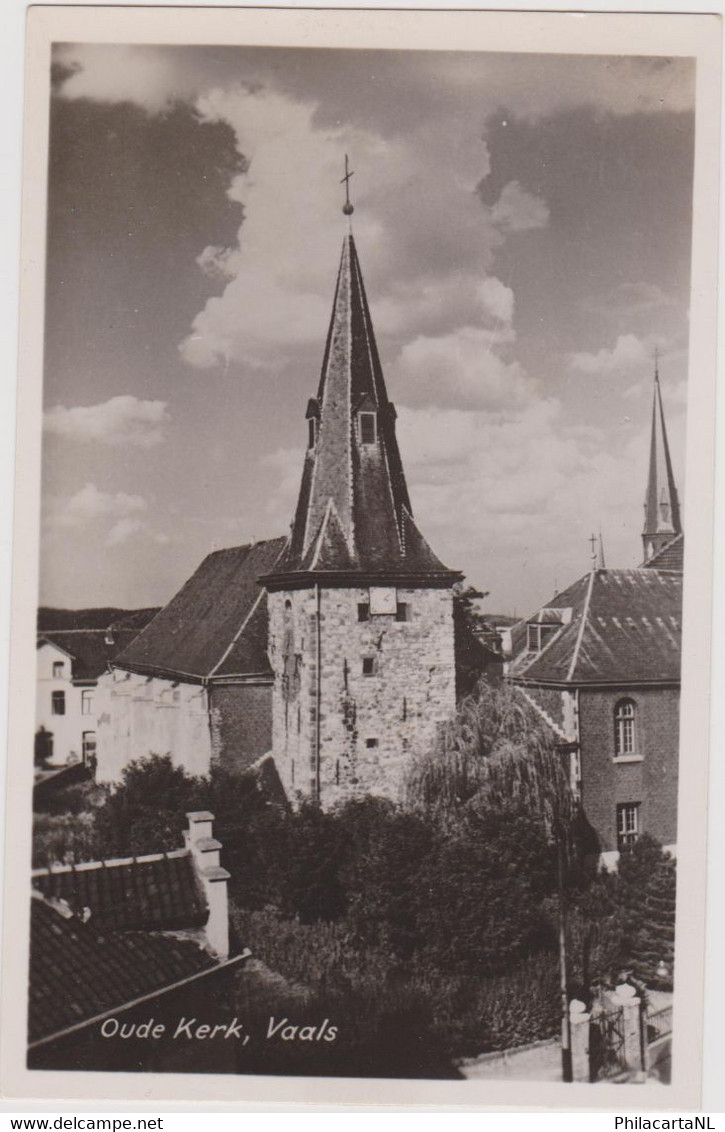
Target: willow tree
(498, 753)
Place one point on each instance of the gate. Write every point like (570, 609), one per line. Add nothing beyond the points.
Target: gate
(606, 1045)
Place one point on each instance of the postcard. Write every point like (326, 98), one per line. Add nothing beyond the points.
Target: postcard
(360, 663)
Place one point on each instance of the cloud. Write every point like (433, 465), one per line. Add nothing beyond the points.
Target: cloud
(628, 299)
(462, 369)
(123, 420)
(530, 85)
(89, 505)
(218, 263)
(145, 76)
(518, 210)
(123, 530)
(497, 298)
(628, 352)
(513, 477)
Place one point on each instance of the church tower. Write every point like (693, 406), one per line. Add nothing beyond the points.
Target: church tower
(661, 507)
(360, 608)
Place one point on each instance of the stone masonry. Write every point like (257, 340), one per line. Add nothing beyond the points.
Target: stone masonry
(385, 687)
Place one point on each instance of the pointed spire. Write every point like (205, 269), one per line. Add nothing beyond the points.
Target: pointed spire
(354, 513)
(592, 540)
(601, 564)
(661, 508)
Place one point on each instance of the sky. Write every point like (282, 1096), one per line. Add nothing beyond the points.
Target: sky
(523, 224)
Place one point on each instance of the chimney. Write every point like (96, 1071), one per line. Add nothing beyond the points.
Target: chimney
(204, 851)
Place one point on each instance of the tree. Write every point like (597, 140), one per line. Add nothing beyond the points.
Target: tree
(496, 751)
(481, 892)
(147, 812)
(646, 891)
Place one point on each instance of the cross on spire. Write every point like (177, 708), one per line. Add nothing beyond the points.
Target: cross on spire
(593, 540)
(347, 208)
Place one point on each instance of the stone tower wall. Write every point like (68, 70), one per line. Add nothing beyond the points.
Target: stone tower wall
(370, 725)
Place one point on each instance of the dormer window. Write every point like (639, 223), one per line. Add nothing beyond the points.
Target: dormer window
(539, 635)
(368, 427)
(313, 419)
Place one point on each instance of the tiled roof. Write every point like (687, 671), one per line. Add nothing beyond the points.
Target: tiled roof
(78, 970)
(217, 620)
(670, 557)
(159, 892)
(625, 628)
(354, 514)
(89, 650)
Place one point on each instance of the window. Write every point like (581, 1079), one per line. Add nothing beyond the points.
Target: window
(627, 824)
(624, 729)
(89, 747)
(402, 611)
(311, 432)
(58, 667)
(363, 611)
(368, 666)
(370, 743)
(87, 701)
(58, 703)
(367, 428)
(537, 636)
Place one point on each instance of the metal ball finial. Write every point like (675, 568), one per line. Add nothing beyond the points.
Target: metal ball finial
(347, 207)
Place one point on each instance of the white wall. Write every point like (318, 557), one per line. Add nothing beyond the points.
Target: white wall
(67, 730)
(143, 715)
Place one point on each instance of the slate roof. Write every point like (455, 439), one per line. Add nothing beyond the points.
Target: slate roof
(625, 628)
(354, 514)
(78, 971)
(88, 649)
(670, 557)
(216, 624)
(154, 893)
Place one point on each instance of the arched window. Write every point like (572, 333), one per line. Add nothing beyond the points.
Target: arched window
(625, 736)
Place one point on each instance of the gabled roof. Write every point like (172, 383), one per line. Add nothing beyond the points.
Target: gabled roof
(159, 892)
(89, 649)
(669, 557)
(216, 624)
(625, 628)
(78, 970)
(354, 514)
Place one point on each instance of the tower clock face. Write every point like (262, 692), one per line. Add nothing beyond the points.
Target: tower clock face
(383, 599)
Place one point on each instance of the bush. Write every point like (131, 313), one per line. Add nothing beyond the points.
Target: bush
(646, 892)
(63, 839)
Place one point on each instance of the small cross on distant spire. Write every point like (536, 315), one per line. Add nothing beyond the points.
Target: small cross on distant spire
(347, 208)
(593, 540)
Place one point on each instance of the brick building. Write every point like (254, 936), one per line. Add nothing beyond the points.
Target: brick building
(333, 649)
(197, 683)
(601, 663)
